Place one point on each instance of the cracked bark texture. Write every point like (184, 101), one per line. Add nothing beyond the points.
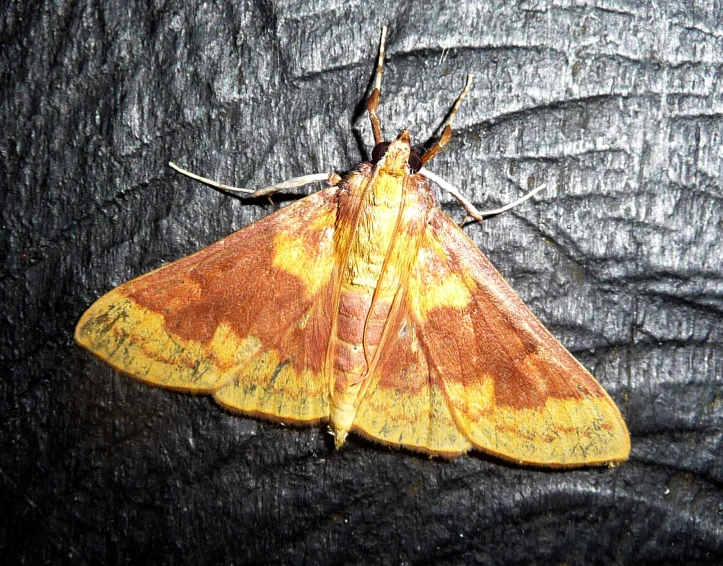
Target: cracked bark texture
(617, 105)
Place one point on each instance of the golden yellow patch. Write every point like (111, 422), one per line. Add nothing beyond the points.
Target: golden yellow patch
(309, 260)
(418, 420)
(268, 386)
(446, 289)
(134, 340)
(564, 432)
(228, 349)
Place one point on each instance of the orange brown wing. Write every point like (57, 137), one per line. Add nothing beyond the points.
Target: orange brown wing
(405, 404)
(513, 389)
(245, 318)
(467, 364)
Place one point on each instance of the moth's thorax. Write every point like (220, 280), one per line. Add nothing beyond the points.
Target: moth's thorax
(372, 232)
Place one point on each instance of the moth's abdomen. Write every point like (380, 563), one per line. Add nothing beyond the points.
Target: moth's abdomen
(360, 317)
(354, 323)
(366, 267)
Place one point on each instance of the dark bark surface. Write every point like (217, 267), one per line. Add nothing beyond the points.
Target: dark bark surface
(618, 107)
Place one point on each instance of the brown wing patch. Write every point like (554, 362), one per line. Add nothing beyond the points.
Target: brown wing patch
(231, 319)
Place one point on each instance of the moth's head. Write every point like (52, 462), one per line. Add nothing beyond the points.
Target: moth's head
(397, 157)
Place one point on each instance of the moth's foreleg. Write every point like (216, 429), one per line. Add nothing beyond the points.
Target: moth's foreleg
(331, 178)
(471, 210)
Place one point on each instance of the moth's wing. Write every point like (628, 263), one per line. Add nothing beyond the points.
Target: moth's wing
(405, 404)
(513, 389)
(245, 318)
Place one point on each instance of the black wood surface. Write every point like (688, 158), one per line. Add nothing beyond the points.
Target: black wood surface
(619, 108)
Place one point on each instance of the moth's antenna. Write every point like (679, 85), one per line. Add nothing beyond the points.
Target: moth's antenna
(373, 102)
(447, 132)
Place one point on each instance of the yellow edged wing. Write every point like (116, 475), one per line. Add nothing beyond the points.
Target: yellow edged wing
(245, 319)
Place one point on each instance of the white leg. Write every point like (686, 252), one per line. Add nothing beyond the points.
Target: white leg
(332, 178)
(472, 211)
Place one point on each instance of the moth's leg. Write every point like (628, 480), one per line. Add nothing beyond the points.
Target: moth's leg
(332, 178)
(472, 211)
(373, 102)
(447, 131)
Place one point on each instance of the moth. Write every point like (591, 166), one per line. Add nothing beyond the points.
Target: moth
(366, 306)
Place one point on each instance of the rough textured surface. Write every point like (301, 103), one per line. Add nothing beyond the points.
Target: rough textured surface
(617, 105)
